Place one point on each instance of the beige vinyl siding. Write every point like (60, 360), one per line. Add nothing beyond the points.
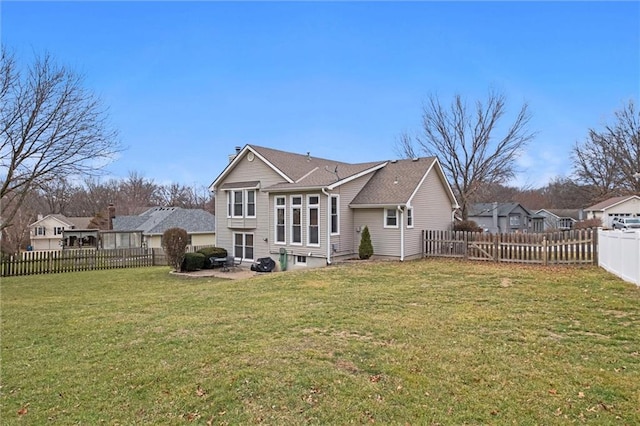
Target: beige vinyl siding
(431, 210)
(304, 249)
(203, 239)
(260, 227)
(348, 240)
(385, 241)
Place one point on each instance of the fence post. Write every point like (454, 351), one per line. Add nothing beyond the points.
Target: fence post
(496, 255)
(466, 245)
(545, 250)
(594, 245)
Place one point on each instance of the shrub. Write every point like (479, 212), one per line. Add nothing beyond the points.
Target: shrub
(365, 251)
(467, 226)
(588, 223)
(210, 252)
(193, 261)
(174, 243)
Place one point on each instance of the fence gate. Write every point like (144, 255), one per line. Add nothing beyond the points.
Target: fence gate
(566, 247)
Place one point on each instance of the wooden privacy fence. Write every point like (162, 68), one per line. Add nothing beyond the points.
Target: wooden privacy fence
(56, 261)
(51, 262)
(565, 247)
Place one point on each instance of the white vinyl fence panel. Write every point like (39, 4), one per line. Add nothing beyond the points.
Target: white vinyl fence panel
(619, 253)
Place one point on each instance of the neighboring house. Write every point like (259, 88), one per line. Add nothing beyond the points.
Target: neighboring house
(626, 206)
(56, 231)
(560, 219)
(308, 211)
(505, 218)
(146, 229)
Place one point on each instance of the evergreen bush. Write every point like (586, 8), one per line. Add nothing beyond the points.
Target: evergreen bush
(193, 261)
(365, 251)
(212, 252)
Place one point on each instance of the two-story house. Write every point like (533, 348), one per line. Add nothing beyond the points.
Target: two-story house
(505, 218)
(56, 231)
(308, 211)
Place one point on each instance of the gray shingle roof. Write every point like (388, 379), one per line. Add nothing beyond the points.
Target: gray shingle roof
(392, 182)
(307, 171)
(486, 209)
(158, 219)
(395, 183)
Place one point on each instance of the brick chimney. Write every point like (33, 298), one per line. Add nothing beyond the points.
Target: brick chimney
(111, 212)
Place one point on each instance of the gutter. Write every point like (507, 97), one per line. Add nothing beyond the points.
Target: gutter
(401, 210)
(324, 191)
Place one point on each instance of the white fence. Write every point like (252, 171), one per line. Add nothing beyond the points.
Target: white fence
(619, 253)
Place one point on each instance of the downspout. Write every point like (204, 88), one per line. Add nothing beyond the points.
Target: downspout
(401, 233)
(324, 191)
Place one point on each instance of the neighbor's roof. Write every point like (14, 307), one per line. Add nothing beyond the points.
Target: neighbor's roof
(486, 209)
(80, 222)
(563, 213)
(611, 202)
(158, 219)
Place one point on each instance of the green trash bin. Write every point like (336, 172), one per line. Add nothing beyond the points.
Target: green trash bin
(283, 259)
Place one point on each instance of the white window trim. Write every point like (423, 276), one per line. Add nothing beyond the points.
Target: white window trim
(337, 198)
(231, 203)
(246, 203)
(275, 219)
(244, 244)
(410, 216)
(386, 210)
(292, 207)
(309, 207)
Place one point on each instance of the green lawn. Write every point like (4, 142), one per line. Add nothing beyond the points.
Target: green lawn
(423, 342)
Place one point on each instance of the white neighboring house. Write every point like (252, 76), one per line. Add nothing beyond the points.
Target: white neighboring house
(625, 206)
(146, 229)
(56, 231)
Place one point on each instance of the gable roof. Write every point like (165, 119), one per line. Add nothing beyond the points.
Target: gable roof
(300, 171)
(393, 182)
(562, 213)
(611, 202)
(156, 220)
(396, 183)
(486, 209)
(79, 222)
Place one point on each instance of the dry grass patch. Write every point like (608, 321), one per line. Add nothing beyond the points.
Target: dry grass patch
(424, 342)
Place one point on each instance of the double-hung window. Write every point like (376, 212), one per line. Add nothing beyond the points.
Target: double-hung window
(243, 245)
(281, 220)
(409, 217)
(241, 203)
(335, 215)
(58, 230)
(390, 218)
(296, 219)
(313, 218)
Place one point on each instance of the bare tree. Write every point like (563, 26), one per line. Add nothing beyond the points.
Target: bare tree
(609, 160)
(51, 127)
(466, 145)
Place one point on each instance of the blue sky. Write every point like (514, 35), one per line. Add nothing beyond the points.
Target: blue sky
(186, 82)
